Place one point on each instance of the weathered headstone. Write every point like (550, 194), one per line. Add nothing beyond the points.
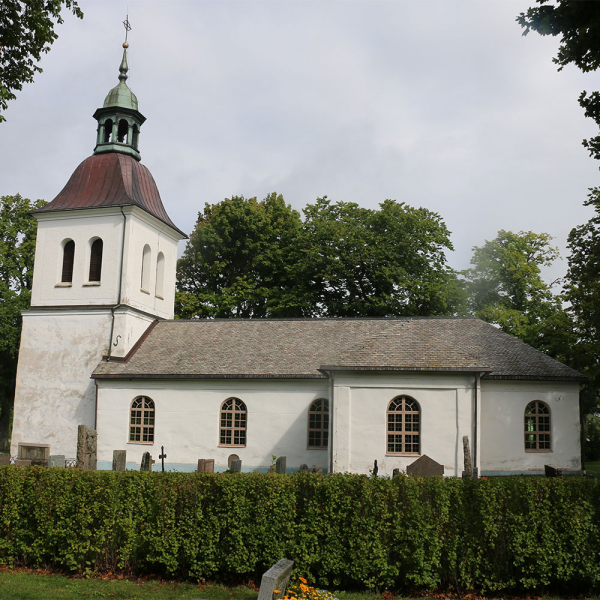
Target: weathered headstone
(280, 465)
(552, 471)
(87, 445)
(303, 468)
(375, 468)
(36, 453)
(4, 459)
(276, 578)
(425, 467)
(236, 465)
(468, 472)
(317, 469)
(206, 465)
(395, 473)
(57, 460)
(147, 462)
(119, 460)
(23, 463)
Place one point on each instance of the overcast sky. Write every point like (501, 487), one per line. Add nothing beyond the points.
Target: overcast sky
(437, 104)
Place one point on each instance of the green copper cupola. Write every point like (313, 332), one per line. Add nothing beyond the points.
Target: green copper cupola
(119, 119)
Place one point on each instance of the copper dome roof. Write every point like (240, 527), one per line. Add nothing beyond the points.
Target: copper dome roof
(111, 179)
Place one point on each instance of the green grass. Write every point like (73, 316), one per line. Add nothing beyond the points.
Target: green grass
(26, 585)
(592, 467)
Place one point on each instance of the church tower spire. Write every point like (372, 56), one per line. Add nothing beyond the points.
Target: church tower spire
(119, 119)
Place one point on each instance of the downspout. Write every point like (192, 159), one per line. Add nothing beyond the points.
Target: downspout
(118, 305)
(475, 427)
(331, 388)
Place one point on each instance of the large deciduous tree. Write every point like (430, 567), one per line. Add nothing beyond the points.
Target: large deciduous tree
(17, 251)
(247, 258)
(578, 25)
(26, 31)
(505, 287)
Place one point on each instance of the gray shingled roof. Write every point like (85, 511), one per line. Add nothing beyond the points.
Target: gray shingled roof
(299, 348)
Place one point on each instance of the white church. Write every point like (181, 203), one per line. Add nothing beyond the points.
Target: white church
(100, 347)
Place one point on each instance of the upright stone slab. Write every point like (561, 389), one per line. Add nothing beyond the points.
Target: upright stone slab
(4, 459)
(276, 578)
(280, 465)
(206, 465)
(119, 460)
(147, 462)
(23, 463)
(38, 454)
(57, 460)
(552, 471)
(468, 472)
(236, 465)
(317, 469)
(425, 467)
(303, 468)
(87, 445)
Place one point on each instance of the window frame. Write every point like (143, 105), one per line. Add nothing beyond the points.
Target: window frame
(95, 266)
(323, 430)
(151, 427)
(536, 432)
(403, 398)
(232, 428)
(145, 270)
(67, 257)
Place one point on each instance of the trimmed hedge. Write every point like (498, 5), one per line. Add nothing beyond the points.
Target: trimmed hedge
(350, 531)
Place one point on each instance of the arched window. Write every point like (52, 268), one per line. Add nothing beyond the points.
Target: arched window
(136, 134)
(233, 423)
(145, 275)
(96, 260)
(108, 125)
(318, 424)
(537, 427)
(68, 259)
(122, 131)
(160, 274)
(403, 426)
(141, 420)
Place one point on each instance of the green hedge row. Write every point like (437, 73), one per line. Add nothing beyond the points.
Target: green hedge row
(349, 531)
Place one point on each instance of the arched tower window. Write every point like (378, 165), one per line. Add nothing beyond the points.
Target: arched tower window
(145, 275)
(318, 424)
(96, 260)
(403, 426)
(108, 125)
(233, 423)
(122, 131)
(68, 259)
(160, 274)
(136, 135)
(141, 420)
(537, 427)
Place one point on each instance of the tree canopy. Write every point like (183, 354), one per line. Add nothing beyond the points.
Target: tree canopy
(17, 252)
(26, 31)
(250, 258)
(578, 24)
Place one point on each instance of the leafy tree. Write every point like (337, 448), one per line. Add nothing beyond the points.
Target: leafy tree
(582, 291)
(579, 25)
(26, 31)
(241, 261)
(364, 262)
(505, 287)
(17, 250)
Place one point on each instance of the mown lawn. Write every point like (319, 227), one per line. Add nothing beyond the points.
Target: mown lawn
(592, 467)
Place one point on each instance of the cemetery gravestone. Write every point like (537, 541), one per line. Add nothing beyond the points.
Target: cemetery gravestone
(57, 460)
(303, 468)
(4, 459)
(38, 454)
(425, 467)
(119, 460)
(276, 578)
(280, 465)
(317, 469)
(552, 471)
(23, 463)
(87, 444)
(468, 472)
(236, 465)
(147, 462)
(206, 465)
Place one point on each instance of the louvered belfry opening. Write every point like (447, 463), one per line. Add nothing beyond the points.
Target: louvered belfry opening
(96, 260)
(68, 258)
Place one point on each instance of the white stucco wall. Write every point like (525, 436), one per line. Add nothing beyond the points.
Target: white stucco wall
(502, 426)
(187, 420)
(54, 392)
(359, 420)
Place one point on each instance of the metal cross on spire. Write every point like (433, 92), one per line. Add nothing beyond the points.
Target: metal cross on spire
(127, 27)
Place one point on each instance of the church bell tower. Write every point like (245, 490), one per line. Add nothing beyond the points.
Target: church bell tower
(104, 271)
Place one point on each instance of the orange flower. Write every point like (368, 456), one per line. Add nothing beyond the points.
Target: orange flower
(302, 579)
